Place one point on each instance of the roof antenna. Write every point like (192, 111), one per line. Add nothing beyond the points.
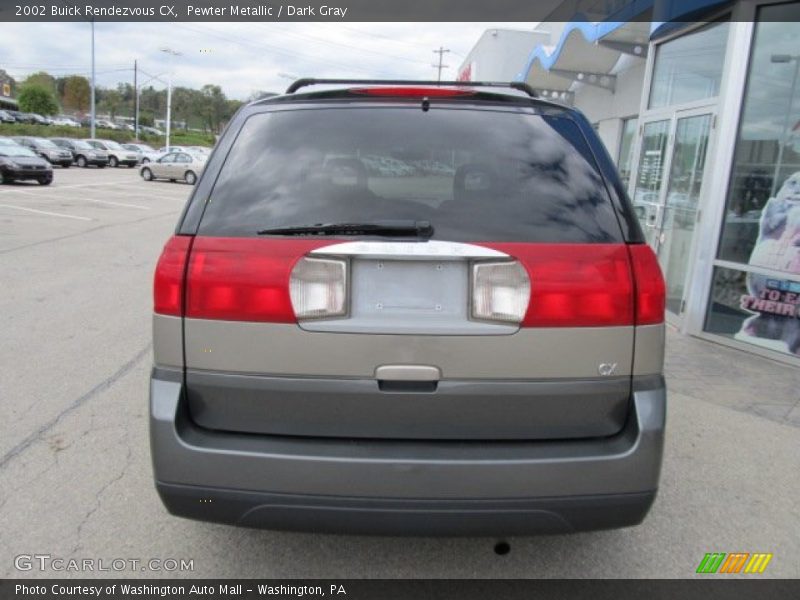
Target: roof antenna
(426, 104)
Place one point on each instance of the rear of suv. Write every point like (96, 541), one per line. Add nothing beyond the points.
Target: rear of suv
(408, 309)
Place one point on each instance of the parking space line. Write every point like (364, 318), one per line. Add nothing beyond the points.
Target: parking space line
(46, 190)
(45, 212)
(118, 204)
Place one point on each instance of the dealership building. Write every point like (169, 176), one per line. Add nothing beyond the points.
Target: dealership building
(703, 120)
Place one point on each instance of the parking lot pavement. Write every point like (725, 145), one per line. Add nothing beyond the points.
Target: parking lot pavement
(76, 263)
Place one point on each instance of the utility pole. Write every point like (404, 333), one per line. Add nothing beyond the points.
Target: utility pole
(135, 100)
(91, 125)
(441, 52)
(171, 53)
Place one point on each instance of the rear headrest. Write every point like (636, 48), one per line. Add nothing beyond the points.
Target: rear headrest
(348, 172)
(474, 180)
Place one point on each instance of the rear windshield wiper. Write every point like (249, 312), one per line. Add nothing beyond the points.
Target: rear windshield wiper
(384, 228)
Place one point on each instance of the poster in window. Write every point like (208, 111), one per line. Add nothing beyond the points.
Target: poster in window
(775, 303)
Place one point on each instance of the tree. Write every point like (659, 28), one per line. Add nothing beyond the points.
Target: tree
(112, 100)
(37, 98)
(214, 106)
(184, 104)
(77, 93)
(43, 79)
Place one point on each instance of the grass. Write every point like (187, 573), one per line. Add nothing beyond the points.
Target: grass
(177, 137)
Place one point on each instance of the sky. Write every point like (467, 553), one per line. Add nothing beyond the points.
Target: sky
(243, 58)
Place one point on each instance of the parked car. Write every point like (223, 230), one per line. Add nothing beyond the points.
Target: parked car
(51, 152)
(146, 153)
(6, 117)
(336, 351)
(199, 150)
(65, 121)
(22, 117)
(174, 166)
(18, 163)
(117, 155)
(38, 119)
(150, 130)
(83, 154)
(165, 149)
(105, 124)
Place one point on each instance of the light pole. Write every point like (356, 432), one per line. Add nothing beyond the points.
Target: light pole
(784, 58)
(171, 53)
(91, 120)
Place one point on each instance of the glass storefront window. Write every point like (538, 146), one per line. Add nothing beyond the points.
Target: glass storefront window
(760, 303)
(626, 149)
(756, 309)
(689, 67)
(763, 205)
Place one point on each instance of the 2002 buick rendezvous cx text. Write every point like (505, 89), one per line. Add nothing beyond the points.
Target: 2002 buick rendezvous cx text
(408, 309)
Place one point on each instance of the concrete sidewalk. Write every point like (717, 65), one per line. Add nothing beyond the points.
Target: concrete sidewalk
(732, 378)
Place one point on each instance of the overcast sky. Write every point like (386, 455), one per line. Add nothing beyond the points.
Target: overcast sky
(242, 58)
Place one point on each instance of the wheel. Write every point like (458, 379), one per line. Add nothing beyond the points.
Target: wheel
(172, 180)
(103, 166)
(4, 178)
(81, 161)
(112, 161)
(147, 174)
(45, 180)
(131, 166)
(190, 177)
(65, 165)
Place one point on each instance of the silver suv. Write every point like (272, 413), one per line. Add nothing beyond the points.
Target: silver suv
(468, 342)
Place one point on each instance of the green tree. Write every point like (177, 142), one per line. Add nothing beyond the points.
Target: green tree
(38, 99)
(77, 93)
(214, 106)
(43, 79)
(111, 102)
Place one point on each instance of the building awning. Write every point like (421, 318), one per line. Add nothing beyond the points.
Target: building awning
(593, 41)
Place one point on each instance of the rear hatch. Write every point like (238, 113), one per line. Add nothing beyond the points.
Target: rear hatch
(387, 270)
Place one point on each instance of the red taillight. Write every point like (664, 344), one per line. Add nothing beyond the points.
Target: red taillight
(413, 92)
(243, 279)
(575, 285)
(168, 280)
(650, 289)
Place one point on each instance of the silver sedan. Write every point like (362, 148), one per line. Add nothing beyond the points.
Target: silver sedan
(174, 166)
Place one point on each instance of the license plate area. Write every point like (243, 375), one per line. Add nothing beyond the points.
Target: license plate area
(419, 296)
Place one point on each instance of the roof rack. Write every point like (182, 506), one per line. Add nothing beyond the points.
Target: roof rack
(307, 81)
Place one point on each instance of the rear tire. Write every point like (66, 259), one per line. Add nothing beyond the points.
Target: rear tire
(113, 162)
(147, 174)
(81, 162)
(45, 180)
(190, 178)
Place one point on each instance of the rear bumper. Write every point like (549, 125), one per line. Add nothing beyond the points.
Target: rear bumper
(406, 487)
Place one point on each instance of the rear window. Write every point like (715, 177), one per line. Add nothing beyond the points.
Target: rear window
(476, 175)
